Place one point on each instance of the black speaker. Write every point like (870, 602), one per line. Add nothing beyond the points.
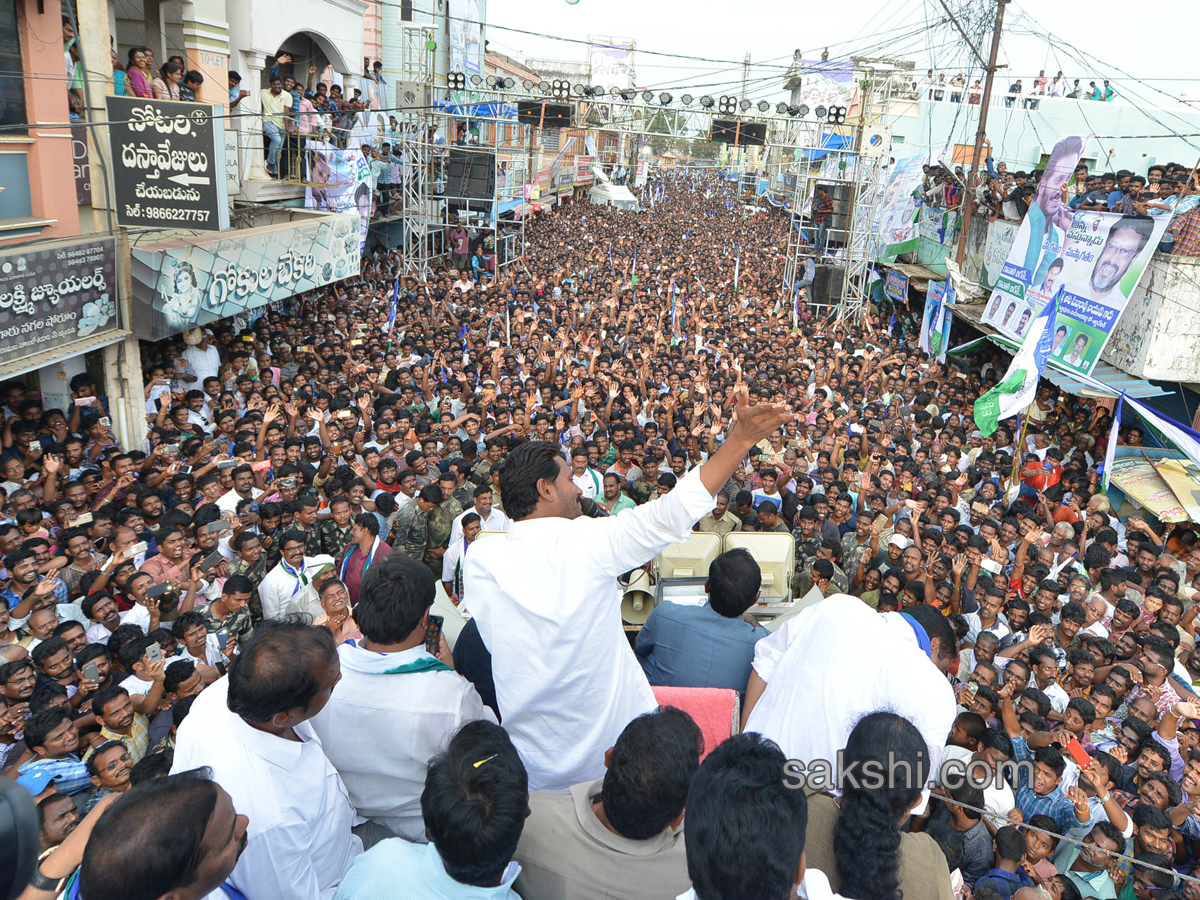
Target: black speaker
(827, 285)
(543, 114)
(839, 219)
(744, 134)
(471, 173)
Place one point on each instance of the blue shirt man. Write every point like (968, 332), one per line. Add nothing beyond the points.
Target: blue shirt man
(709, 645)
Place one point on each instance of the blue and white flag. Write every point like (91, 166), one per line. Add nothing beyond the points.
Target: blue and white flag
(395, 301)
(737, 265)
(1113, 433)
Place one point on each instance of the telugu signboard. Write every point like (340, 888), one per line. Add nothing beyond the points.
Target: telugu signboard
(1096, 258)
(168, 164)
(583, 169)
(198, 281)
(83, 169)
(53, 294)
(895, 287)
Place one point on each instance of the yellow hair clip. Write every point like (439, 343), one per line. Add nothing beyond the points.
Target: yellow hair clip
(482, 761)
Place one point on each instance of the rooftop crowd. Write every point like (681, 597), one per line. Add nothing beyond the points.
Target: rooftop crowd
(221, 676)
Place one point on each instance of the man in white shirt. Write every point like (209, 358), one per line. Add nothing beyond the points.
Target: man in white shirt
(288, 588)
(839, 660)
(490, 518)
(455, 559)
(567, 681)
(243, 489)
(201, 356)
(251, 728)
(396, 706)
(588, 480)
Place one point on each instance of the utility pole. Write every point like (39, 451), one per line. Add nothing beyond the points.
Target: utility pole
(985, 102)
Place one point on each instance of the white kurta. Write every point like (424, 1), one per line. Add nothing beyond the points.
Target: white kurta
(547, 604)
(300, 843)
(833, 664)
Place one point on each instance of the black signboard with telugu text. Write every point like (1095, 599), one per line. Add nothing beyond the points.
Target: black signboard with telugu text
(55, 293)
(168, 164)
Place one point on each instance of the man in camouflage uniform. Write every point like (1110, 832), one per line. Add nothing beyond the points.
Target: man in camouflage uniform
(808, 542)
(491, 459)
(411, 531)
(441, 523)
(333, 534)
(855, 545)
(646, 487)
(250, 560)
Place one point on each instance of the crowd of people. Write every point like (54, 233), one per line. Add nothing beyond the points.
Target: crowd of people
(348, 624)
(940, 89)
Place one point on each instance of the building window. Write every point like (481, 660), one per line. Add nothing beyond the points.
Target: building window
(406, 10)
(12, 79)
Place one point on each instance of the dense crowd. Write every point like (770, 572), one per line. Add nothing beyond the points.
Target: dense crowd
(349, 623)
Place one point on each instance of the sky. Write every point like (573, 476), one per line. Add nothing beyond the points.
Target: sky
(905, 28)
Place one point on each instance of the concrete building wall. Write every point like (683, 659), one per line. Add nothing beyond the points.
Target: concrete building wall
(1158, 336)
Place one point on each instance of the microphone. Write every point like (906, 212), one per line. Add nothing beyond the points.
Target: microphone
(592, 509)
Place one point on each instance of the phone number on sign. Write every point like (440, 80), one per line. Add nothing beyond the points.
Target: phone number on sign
(159, 212)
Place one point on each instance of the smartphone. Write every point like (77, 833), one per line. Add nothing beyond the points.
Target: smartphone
(1078, 753)
(35, 447)
(357, 342)
(154, 653)
(261, 466)
(433, 634)
(228, 463)
(84, 401)
(157, 590)
(882, 522)
(247, 339)
(169, 448)
(85, 519)
(106, 422)
(223, 638)
(91, 672)
(211, 561)
(218, 526)
(990, 565)
(134, 549)
(185, 469)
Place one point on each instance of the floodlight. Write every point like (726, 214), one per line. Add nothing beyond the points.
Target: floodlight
(763, 106)
(529, 84)
(706, 101)
(686, 99)
(597, 90)
(628, 94)
(837, 114)
(647, 96)
(745, 105)
(560, 88)
(509, 83)
(544, 87)
(476, 80)
(795, 110)
(801, 110)
(456, 81)
(820, 111)
(781, 109)
(578, 89)
(727, 105)
(665, 99)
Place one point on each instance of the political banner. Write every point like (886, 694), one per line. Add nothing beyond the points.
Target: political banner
(895, 228)
(934, 338)
(466, 36)
(895, 287)
(340, 182)
(1096, 258)
(198, 280)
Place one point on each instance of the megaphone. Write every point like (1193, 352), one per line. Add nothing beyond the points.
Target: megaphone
(638, 600)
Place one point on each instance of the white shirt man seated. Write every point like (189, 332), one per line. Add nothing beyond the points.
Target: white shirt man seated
(396, 705)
